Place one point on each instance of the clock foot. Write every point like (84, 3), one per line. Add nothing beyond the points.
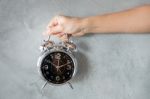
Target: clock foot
(70, 85)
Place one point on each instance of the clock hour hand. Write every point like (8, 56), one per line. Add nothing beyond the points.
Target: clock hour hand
(58, 62)
(64, 65)
(56, 66)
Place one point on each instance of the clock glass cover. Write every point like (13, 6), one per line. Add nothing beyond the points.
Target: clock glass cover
(57, 67)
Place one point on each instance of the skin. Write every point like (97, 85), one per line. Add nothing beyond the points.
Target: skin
(135, 20)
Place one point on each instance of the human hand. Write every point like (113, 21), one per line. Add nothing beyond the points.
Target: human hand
(61, 25)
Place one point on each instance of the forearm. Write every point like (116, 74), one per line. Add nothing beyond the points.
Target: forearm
(135, 20)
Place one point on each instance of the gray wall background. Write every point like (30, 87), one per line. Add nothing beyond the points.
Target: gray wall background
(110, 66)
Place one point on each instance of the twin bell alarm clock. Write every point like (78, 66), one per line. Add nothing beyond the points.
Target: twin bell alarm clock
(57, 64)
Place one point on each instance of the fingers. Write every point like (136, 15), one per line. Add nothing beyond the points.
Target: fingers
(55, 26)
(52, 23)
(64, 37)
(57, 30)
(60, 25)
(78, 34)
(59, 35)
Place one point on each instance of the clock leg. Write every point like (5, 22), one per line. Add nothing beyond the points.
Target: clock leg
(44, 85)
(70, 85)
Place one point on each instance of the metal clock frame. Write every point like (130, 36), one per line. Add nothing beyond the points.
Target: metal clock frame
(46, 50)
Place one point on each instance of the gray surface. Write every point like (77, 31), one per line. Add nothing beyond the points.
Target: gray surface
(110, 66)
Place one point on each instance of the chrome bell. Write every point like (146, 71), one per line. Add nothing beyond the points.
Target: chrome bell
(47, 44)
(70, 46)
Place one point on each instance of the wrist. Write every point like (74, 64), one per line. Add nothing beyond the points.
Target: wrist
(85, 25)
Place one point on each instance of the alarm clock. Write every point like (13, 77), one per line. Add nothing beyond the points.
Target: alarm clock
(57, 64)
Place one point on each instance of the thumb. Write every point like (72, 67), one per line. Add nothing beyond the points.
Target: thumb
(56, 29)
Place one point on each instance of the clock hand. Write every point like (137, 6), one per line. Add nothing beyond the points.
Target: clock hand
(58, 62)
(64, 65)
(56, 66)
(52, 64)
(58, 69)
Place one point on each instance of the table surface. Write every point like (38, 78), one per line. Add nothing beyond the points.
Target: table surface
(110, 66)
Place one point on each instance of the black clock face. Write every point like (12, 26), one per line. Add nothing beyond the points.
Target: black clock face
(57, 67)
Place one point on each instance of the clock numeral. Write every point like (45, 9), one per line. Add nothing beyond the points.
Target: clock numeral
(51, 56)
(63, 77)
(46, 67)
(70, 76)
(57, 56)
(68, 67)
(68, 61)
(48, 61)
(47, 73)
(68, 73)
(57, 78)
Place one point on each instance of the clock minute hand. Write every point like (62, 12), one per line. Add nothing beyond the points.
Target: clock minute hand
(64, 65)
